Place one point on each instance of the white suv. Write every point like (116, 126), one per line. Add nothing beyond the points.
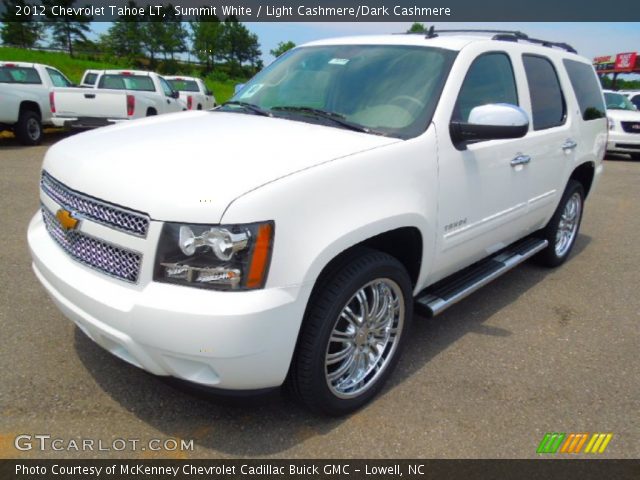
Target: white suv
(624, 124)
(351, 180)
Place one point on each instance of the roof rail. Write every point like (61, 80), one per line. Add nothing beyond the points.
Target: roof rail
(503, 35)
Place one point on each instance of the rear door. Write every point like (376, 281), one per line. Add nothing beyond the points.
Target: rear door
(552, 139)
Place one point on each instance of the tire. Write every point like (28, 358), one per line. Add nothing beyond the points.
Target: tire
(561, 241)
(635, 156)
(28, 130)
(199, 107)
(356, 371)
(151, 112)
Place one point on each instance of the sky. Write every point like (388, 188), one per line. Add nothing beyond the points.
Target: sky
(590, 39)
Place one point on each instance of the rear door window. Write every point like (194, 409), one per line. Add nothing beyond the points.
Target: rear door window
(548, 107)
(585, 84)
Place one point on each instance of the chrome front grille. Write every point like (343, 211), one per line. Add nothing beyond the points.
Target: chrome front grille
(113, 216)
(105, 257)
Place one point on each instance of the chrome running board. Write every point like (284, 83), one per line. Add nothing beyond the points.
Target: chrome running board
(437, 298)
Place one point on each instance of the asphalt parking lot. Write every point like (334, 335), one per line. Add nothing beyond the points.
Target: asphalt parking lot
(536, 351)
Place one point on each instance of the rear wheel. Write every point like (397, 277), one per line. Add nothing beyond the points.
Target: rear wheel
(28, 130)
(562, 230)
(353, 334)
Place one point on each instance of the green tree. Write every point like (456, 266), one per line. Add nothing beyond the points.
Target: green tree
(67, 29)
(282, 48)
(19, 30)
(124, 37)
(240, 45)
(174, 36)
(207, 40)
(417, 28)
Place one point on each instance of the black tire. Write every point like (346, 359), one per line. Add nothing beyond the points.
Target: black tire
(151, 112)
(635, 156)
(308, 376)
(552, 256)
(28, 130)
(199, 107)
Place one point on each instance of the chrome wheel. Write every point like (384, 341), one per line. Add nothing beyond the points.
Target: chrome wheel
(33, 129)
(364, 338)
(568, 226)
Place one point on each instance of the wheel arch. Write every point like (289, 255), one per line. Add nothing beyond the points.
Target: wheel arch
(30, 106)
(584, 174)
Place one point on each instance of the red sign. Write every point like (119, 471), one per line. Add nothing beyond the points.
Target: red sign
(625, 62)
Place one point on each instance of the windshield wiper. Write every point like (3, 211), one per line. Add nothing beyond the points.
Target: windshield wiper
(335, 117)
(249, 106)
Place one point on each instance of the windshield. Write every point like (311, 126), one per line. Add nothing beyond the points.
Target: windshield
(385, 89)
(617, 101)
(183, 85)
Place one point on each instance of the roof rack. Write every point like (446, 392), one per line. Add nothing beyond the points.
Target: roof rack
(503, 35)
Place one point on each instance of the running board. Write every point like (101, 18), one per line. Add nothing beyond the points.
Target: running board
(440, 296)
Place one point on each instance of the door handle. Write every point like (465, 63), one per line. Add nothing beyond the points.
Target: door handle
(520, 160)
(569, 144)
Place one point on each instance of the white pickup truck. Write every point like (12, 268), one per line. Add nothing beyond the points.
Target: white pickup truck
(193, 92)
(353, 180)
(118, 95)
(25, 98)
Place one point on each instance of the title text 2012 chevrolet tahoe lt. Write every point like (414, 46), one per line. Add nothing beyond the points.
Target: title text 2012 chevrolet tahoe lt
(351, 180)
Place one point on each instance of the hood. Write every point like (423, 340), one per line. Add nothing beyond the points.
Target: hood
(624, 115)
(190, 166)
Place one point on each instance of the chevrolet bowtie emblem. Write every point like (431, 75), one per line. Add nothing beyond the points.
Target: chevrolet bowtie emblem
(66, 219)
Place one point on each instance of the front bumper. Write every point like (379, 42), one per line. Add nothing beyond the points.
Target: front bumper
(228, 340)
(623, 142)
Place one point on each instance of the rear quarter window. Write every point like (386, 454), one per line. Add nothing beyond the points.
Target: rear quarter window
(587, 89)
(548, 107)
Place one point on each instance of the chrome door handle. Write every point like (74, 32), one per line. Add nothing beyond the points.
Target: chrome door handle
(520, 160)
(569, 144)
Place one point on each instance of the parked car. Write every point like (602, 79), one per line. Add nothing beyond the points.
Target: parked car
(25, 90)
(193, 92)
(624, 125)
(89, 78)
(119, 95)
(352, 180)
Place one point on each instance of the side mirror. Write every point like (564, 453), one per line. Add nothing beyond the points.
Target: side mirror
(175, 94)
(491, 122)
(238, 87)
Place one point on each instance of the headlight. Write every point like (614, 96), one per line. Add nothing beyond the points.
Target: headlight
(611, 123)
(221, 257)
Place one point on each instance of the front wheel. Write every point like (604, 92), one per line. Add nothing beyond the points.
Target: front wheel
(353, 333)
(562, 230)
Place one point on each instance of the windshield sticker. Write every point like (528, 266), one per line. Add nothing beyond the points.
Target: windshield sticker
(251, 91)
(339, 61)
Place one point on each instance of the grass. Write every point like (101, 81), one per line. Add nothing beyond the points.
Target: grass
(75, 67)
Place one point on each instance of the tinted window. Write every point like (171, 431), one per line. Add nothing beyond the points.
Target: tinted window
(90, 78)
(184, 85)
(489, 80)
(58, 79)
(587, 88)
(141, 83)
(19, 75)
(636, 100)
(547, 102)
